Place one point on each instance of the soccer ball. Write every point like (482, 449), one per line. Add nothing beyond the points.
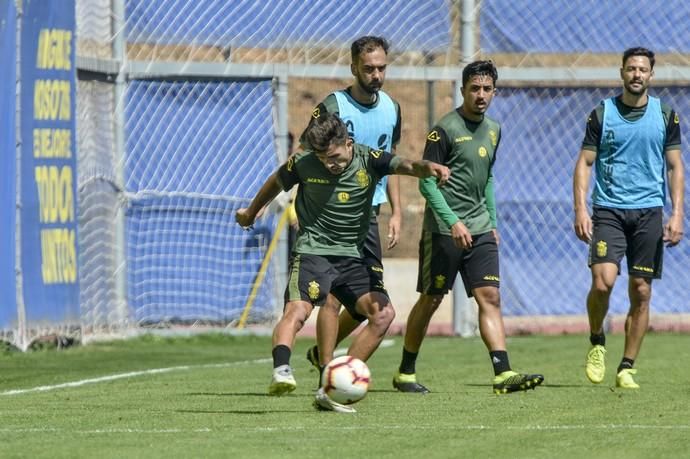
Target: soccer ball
(346, 380)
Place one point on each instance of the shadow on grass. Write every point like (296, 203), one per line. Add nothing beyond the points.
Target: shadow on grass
(253, 412)
(246, 394)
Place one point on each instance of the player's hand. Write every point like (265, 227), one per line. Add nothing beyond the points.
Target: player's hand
(394, 224)
(583, 226)
(244, 218)
(495, 231)
(673, 231)
(461, 236)
(441, 172)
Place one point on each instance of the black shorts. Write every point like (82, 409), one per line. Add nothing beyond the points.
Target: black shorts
(636, 233)
(372, 250)
(313, 277)
(440, 260)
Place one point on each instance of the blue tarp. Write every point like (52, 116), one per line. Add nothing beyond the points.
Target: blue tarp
(598, 26)
(409, 25)
(543, 265)
(187, 258)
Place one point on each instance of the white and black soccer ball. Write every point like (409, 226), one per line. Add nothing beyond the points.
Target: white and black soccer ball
(346, 379)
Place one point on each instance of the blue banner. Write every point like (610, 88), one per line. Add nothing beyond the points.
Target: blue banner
(8, 310)
(48, 165)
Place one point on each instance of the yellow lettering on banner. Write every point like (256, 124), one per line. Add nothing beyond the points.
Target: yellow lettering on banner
(59, 256)
(52, 100)
(52, 143)
(54, 49)
(55, 196)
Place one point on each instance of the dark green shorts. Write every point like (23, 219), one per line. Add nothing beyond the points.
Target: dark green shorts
(440, 260)
(313, 277)
(636, 233)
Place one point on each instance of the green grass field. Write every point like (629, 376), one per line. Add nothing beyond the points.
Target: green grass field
(205, 396)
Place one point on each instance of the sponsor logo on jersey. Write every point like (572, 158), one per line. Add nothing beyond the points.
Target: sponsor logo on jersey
(482, 151)
(376, 153)
(602, 248)
(494, 138)
(343, 196)
(464, 138)
(439, 281)
(362, 178)
(318, 180)
(313, 290)
(433, 136)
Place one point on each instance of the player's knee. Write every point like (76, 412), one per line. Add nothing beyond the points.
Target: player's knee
(430, 303)
(641, 289)
(296, 315)
(382, 317)
(488, 296)
(601, 287)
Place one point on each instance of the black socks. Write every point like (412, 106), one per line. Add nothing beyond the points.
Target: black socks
(597, 339)
(407, 365)
(281, 355)
(499, 359)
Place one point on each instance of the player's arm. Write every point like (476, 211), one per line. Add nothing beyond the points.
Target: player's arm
(436, 149)
(393, 189)
(438, 173)
(489, 191)
(673, 230)
(490, 195)
(387, 164)
(395, 220)
(283, 179)
(583, 171)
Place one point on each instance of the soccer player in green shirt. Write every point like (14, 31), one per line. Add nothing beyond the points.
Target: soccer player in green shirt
(372, 118)
(337, 179)
(459, 231)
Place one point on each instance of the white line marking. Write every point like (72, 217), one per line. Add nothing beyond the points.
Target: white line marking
(131, 374)
(104, 431)
(340, 428)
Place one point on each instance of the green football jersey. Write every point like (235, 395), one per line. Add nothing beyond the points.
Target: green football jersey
(468, 149)
(333, 211)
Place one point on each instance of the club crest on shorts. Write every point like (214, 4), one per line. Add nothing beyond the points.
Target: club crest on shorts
(314, 289)
(362, 178)
(602, 248)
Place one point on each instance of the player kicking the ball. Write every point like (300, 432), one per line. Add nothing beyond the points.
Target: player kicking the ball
(336, 180)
